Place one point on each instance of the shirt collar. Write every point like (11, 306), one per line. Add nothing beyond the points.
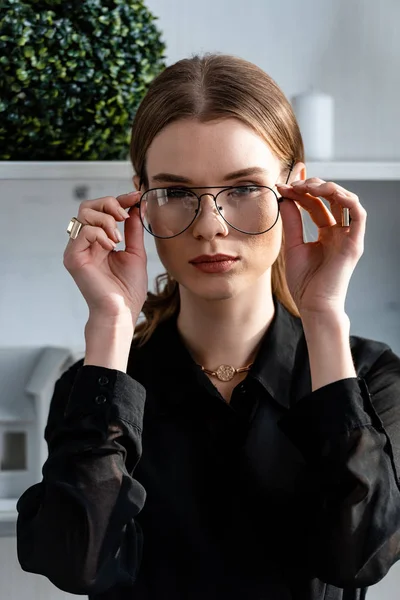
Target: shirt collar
(281, 365)
(277, 367)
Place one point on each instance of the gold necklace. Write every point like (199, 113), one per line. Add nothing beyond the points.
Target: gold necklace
(226, 372)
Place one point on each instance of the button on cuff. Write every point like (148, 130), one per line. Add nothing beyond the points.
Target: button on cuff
(124, 396)
(100, 399)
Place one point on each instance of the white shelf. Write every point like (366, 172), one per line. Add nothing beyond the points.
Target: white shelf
(358, 171)
(119, 169)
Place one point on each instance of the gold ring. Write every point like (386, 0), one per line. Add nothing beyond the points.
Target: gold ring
(345, 217)
(74, 228)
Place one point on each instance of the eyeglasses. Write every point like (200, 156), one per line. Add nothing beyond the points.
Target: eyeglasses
(168, 212)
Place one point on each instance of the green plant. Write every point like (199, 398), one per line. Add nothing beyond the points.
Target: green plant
(72, 75)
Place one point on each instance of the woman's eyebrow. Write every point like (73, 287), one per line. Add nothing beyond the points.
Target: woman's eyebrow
(246, 173)
(172, 178)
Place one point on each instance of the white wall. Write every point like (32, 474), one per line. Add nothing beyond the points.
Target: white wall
(344, 47)
(347, 48)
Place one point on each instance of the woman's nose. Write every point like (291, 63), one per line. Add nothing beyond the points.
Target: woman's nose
(209, 222)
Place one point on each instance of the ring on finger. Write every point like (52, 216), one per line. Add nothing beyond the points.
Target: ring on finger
(345, 217)
(74, 228)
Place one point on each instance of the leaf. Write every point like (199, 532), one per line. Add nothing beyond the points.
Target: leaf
(22, 75)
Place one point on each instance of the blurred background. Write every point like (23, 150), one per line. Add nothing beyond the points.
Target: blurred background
(348, 49)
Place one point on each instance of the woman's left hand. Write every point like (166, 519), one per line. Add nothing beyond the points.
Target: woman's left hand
(318, 273)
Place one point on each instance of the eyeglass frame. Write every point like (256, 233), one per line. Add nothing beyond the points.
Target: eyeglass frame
(222, 189)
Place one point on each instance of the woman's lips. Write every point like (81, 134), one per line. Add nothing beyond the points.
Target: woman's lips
(212, 257)
(215, 266)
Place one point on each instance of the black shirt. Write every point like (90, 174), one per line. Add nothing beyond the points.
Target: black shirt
(155, 488)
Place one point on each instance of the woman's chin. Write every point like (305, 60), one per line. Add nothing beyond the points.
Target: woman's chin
(217, 288)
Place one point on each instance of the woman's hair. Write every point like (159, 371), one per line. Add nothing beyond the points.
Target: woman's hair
(206, 88)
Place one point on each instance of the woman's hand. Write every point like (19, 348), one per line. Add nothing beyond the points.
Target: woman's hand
(113, 283)
(318, 273)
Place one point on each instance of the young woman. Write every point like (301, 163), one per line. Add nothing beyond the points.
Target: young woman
(238, 442)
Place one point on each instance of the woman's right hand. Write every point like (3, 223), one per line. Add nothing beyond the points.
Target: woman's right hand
(113, 283)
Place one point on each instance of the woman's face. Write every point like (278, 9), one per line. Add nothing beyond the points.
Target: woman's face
(205, 154)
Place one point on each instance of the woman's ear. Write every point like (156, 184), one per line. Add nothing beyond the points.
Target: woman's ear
(299, 173)
(136, 182)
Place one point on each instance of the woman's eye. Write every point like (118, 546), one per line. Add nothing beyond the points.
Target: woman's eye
(244, 190)
(177, 193)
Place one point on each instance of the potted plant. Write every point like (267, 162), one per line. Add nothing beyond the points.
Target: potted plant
(72, 74)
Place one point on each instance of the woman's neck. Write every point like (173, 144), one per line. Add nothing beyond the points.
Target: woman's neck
(226, 331)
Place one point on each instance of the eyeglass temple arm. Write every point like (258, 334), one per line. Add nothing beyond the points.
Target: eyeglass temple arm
(290, 170)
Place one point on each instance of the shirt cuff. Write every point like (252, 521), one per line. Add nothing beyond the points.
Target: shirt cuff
(98, 390)
(332, 410)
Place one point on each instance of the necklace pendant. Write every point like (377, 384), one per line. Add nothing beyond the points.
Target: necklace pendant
(225, 372)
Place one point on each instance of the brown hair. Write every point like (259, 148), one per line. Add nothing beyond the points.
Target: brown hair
(207, 88)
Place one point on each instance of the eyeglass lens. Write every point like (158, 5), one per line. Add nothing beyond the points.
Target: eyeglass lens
(167, 212)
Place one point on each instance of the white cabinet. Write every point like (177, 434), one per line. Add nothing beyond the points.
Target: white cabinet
(27, 378)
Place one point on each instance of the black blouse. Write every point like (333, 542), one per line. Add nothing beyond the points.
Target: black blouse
(155, 488)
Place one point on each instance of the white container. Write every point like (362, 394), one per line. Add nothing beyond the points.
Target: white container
(315, 115)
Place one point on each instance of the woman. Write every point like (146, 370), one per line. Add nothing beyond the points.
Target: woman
(238, 443)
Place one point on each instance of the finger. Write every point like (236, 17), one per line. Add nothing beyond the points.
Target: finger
(292, 224)
(129, 200)
(358, 214)
(327, 190)
(111, 205)
(309, 180)
(317, 210)
(104, 212)
(336, 210)
(134, 233)
(340, 198)
(88, 235)
(89, 216)
(324, 189)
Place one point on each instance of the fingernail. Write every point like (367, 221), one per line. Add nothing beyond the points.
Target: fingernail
(123, 213)
(284, 186)
(118, 235)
